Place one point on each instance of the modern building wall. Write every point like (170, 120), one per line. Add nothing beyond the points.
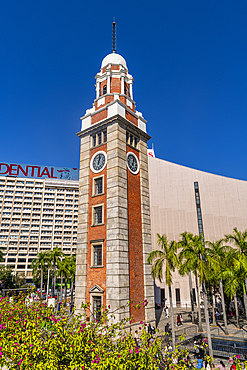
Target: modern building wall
(173, 209)
(35, 216)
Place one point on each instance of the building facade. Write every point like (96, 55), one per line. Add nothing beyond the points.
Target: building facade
(185, 199)
(38, 211)
(114, 232)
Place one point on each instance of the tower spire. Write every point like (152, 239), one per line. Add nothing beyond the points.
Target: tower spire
(114, 36)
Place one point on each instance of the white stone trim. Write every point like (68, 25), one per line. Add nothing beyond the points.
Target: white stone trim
(103, 185)
(129, 103)
(101, 101)
(93, 208)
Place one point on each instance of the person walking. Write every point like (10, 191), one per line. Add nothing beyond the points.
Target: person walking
(178, 320)
(181, 319)
(167, 312)
(221, 366)
(136, 337)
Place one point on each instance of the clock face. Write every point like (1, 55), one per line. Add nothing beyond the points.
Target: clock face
(98, 161)
(133, 163)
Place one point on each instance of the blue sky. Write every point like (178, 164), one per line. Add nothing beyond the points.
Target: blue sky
(188, 60)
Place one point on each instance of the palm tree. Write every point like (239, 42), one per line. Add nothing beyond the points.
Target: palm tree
(233, 274)
(187, 242)
(239, 240)
(63, 272)
(164, 261)
(203, 269)
(39, 264)
(189, 262)
(216, 256)
(72, 267)
(54, 256)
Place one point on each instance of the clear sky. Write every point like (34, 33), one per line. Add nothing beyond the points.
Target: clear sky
(188, 59)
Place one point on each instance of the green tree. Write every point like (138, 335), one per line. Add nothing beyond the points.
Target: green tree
(164, 261)
(189, 261)
(186, 243)
(239, 240)
(72, 269)
(2, 249)
(216, 253)
(233, 275)
(38, 265)
(64, 272)
(54, 256)
(203, 269)
(6, 276)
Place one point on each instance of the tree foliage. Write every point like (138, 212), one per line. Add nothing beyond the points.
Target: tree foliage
(34, 337)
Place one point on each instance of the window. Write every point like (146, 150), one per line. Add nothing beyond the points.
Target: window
(104, 90)
(97, 255)
(177, 291)
(98, 186)
(136, 141)
(96, 307)
(97, 215)
(127, 137)
(94, 140)
(99, 138)
(131, 139)
(105, 136)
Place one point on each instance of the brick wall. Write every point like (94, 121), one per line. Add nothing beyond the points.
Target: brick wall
(131, 118)
(96, 275)
(116, 85)
(135, 243)
(99, 116)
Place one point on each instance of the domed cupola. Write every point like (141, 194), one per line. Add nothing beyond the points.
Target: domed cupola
(115, 59)
(114, 91)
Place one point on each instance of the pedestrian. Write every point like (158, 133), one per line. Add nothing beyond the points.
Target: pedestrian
(181, 319)
(152, 330)
(136, 337)
(167, 312)
(221, 366)
(178, 320)
(199, 363)
(167, 329)
(149, 329)
(150, 341)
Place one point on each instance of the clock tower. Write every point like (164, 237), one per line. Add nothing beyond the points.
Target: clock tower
(114, 229)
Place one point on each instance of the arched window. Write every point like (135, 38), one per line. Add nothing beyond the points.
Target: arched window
(126, 89)
(104, 90)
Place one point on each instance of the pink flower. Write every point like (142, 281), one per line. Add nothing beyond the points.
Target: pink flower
(237, 356)
(130, 351)
(141, 322)
(20, 362)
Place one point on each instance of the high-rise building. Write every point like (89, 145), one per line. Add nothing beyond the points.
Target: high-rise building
(114, 231)
(38, 211)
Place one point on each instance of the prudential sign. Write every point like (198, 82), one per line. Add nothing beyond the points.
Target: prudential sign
(38, 172)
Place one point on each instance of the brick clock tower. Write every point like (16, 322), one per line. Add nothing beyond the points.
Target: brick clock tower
(114, 230)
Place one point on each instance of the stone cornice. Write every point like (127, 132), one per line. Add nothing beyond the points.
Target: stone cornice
(123, 122)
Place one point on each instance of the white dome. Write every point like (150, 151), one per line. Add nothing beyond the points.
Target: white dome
(113, 58)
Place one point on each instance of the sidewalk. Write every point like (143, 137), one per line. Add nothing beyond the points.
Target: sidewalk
(190, 329)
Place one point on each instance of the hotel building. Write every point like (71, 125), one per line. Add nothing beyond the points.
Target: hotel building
(38, 211)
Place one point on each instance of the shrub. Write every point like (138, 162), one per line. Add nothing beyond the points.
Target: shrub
(32, 336)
